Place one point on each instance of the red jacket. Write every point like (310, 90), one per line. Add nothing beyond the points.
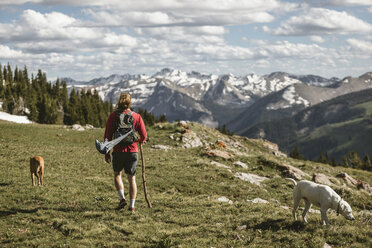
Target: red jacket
(138, 124)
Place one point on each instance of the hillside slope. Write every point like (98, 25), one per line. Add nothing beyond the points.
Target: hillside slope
(337, 126)
(199, 199)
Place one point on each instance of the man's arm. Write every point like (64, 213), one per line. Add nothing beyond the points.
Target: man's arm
(109, 127)
(108, 133)
(141, 129)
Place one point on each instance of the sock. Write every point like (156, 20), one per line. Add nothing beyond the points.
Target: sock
(121, 194)
(132, 201)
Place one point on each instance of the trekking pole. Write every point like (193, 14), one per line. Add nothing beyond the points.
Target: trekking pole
(144, 178)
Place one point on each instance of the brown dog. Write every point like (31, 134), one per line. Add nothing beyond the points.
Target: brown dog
(37, 169)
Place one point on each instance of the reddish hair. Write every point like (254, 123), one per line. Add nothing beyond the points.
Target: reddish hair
(124, 102)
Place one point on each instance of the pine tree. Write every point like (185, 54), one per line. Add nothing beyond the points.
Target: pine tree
(2, 86)
(333, 161)
(162, 118)
(354, 159)
(323, 158)
(296, 154)
(345, 162)
(9, 75)
(367, 163)
(9, 101)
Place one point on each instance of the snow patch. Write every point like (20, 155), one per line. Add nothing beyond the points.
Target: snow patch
(14, 118)
(292, 98)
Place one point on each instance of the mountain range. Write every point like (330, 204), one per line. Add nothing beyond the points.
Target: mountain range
(239, 102)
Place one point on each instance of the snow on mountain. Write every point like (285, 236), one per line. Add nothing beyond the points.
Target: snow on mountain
(238, 90)
(289, 99)
(14, 118)
(208, 94)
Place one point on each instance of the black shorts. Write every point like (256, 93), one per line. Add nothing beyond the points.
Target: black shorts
(126, 161)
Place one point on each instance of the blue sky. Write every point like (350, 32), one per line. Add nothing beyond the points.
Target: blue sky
(87, 39)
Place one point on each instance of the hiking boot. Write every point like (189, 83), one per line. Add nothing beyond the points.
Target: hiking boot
(131, 210)
(122, 204)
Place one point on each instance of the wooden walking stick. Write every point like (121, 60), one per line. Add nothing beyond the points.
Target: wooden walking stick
(144, 178)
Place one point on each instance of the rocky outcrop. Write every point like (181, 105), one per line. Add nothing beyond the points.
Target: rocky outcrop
(219, 153)
(348, 179)
(274, 148)
(365, 186)
(225, 199)
(220, 165)
(241, 164)
(161, 147)
(321, 179)
(252, 178)
(190, 139)
(292, 172)
(258, 200)
(355, 182)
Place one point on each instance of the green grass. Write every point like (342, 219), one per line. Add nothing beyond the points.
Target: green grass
(75, 207)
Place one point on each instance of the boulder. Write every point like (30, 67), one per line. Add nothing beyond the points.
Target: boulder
(190, 139)
(218, 153)
(326, 245)
(160, 147)
(77, 127)
(365, 186)
(321, 179)
(291, 171)
(348, 179)
(241, 164)
(270, 145)
(225, 199)
(252, 178)
(89, 127)
(183, 124)
(221, 144)
(258, 200)
(356, 182)
(220, 165)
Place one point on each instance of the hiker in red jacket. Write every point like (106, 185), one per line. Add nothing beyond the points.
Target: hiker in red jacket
(125, 156)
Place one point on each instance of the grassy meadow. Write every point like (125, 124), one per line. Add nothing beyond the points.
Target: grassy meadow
(76, 205)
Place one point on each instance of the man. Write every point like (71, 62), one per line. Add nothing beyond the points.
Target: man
(125, 156)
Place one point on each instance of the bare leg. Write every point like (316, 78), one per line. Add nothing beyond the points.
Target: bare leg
(118, 182)
(132, 186)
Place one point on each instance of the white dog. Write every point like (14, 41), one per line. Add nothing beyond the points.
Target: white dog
(320, 195)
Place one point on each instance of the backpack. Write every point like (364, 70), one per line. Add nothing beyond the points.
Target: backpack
(124, 125)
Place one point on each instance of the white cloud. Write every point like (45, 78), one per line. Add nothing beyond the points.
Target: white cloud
(223, 52)
(370, 9)
(207, 18)
(203, 34)
(56, 32)
(361, 45)
(141, 36)
(294, 50)
(139, 13)
(8, 53)
(350, 2)
(339, 2)
(318, 21)
(317, 39)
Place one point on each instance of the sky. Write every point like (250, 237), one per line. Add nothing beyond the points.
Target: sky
(86, 39)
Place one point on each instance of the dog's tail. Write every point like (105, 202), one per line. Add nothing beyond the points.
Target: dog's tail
(292, 180)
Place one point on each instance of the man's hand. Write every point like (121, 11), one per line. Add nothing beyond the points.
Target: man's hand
(108, 158)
